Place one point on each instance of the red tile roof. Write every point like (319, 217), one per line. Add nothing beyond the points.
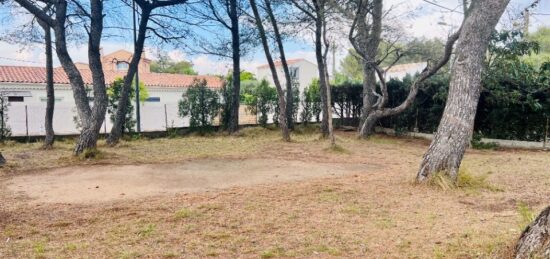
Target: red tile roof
(278, 62)
(37, 75)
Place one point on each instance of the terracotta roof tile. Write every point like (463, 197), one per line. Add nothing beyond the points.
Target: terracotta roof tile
(37, 75)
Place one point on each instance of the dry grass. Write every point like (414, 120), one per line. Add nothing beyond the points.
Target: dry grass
(377, 215)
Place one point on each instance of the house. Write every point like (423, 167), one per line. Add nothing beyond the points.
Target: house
(402, 70)
(24, 88)
(301, 70)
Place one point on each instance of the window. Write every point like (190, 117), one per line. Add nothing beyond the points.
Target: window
(121, 66)
(13, 99)
(153, 99)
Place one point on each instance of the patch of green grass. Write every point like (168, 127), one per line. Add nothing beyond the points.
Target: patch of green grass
(39, 248)
(353, 209)
(329, 195)
(92, 153)
(185, 213)
(465, 180)
(526, 213)
(70, 247)
(337, 149)
(273, 252)
(170, 255)
(147, 230)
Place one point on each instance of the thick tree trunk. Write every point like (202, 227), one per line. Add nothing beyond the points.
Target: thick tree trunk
(236, 55)
(122, 109)
(455, 129)
(367, 46)
(535, 239)
(280, 93)
(50, 102)
(369, 100)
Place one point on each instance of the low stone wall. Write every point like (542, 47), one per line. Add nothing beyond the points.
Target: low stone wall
(500, 142)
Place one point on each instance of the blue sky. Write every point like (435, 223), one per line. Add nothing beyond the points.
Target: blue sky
(417, 18)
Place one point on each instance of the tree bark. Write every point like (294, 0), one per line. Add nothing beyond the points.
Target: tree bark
(2, 160)
(280, 93)
(321, 68)
(122, 109)
(90, 132)
(289, 94)
(50, 102)
(368, 42)
(535, 239)
(456, 127)
(236, 56)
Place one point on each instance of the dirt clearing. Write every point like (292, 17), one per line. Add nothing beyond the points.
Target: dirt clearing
(254, 196)
(112, 182)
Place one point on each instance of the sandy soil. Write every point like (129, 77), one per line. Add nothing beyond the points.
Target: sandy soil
(374, 211)
(113, 182)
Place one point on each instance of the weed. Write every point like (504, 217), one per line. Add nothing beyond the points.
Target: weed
(465, 180)
(147, 230)
(91, 153)
(337, 149)
(39, 248)
(70, 246)
(185, 213)
(352, 209)
(527, 215)
(273, 252)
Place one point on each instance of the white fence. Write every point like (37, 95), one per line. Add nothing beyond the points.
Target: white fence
(28, 119)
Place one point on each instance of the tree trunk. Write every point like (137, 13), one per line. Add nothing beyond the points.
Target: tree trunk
(367, 47)
(456, 127)
(50, 103)
(289, 94)
(236, 55)
(280, 93)
(322, 73)
(535, 239)
(2, 160)
(122, 109)
(369, 99)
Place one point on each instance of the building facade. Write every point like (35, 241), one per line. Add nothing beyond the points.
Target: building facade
(25, 90)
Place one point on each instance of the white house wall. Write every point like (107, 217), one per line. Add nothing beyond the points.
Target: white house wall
(155, 116)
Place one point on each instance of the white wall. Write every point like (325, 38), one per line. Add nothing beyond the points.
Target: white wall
(307, 72)
(155, 116)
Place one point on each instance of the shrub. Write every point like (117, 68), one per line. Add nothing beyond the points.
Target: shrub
(260, 98)
(201, 104)
(113, 93)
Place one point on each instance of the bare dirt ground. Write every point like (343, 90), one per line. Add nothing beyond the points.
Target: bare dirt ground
(374, 212)
(104, 183)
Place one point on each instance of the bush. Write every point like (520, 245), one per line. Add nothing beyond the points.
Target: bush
(260, 98)
(311, 102)
(113, 94)
(201, 104)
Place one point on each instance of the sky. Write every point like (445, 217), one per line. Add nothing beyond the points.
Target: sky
(418, 18)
